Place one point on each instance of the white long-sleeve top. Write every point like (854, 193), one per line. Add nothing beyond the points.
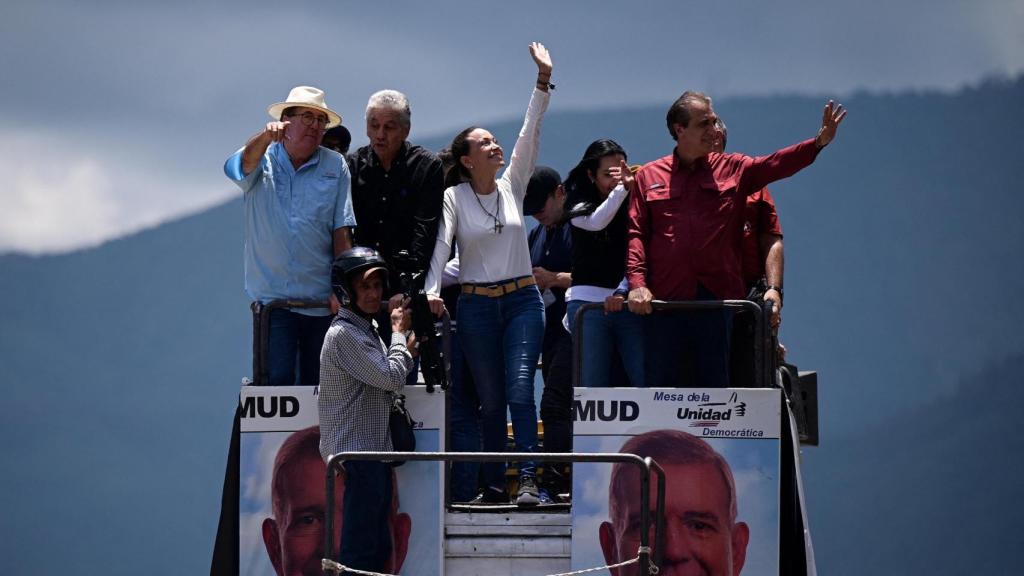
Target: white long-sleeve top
(594, 222)
(605, 212)
(485, 256)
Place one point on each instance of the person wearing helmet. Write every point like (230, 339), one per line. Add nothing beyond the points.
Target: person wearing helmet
(359, 377)
(337, 139)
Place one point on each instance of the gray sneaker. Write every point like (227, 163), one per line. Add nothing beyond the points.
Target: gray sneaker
(528, 494)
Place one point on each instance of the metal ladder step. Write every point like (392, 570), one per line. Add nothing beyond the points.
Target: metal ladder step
(507, 543)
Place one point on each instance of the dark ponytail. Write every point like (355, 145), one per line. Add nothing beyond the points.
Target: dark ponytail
(455, 172)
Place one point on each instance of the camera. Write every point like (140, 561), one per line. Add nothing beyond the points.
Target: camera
(433, 362)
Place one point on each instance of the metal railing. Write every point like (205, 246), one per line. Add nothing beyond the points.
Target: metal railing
(261, 334)
(335, 465)
(764, 339)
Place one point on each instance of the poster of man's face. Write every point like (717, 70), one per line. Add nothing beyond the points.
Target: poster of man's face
(721, 497)
(294, 532)
(283, 502)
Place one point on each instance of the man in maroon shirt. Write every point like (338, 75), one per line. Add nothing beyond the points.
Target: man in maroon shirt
(685, 232)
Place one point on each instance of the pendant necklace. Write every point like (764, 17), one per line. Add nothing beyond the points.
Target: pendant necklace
(496, 217)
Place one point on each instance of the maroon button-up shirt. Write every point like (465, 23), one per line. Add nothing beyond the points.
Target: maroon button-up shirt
(686, 225)
(759, 217)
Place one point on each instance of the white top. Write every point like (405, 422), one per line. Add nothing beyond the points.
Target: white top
(587, 293)
(450, 276)
(596, 221)
(484, 255)
(603, 215)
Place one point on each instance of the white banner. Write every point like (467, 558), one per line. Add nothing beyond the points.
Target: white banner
(708, 413)
(280, 427)
(720, 452)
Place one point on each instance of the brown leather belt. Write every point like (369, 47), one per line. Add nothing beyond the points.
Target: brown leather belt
(500, 289)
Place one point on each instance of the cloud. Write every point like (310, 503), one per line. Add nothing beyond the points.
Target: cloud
(259, 451)
(64, 193)
(252, 553)
(198, 77)
(42, 208)
(586, 547)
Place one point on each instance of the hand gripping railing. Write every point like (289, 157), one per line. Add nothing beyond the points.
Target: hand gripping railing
(335, 465)
(764, 339)
(261, 334)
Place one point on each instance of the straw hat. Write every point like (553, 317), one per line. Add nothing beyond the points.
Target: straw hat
(306, 97)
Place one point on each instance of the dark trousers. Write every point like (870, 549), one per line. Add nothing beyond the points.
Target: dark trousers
(556, 399)
(556, 411)
(689, 349)
(464, 426)
(365, 536)
(293, 355)
(741, 356)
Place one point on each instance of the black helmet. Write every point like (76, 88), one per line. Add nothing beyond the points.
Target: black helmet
(358, 259)
(337, 139)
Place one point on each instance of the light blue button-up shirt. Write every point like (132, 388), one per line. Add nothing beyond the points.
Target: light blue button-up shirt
(290, 218)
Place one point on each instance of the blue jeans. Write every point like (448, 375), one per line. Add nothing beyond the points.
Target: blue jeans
(464, 425)
(606, 334)
(501, 338)
(293, 356)
(365, 535)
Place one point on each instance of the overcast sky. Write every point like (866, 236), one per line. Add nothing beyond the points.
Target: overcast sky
(119, 114)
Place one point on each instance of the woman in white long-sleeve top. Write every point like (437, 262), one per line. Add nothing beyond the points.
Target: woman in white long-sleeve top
(500, 313)
(596, 190)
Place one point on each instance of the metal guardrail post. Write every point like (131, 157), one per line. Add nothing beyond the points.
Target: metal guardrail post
(258, 341)
(335, 465)
(766, 345)
(261, 334)
(446, 349)
(659, 514)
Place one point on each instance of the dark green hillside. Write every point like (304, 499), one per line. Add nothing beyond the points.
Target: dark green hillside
(120, 364)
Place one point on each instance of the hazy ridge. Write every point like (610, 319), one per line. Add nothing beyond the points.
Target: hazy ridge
(121, 363)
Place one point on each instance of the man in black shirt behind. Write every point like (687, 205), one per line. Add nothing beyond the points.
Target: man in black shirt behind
(397, 187)
(551, 256)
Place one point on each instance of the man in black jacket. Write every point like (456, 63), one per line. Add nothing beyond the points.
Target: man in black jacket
(397, 187)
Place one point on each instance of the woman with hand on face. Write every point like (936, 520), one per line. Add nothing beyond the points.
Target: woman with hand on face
(596, 190)
(500, 314)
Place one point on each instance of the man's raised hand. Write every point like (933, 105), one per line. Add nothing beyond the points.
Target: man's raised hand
(830, 120)
(276, 130)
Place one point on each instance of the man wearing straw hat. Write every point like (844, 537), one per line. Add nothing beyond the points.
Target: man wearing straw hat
(298, 216)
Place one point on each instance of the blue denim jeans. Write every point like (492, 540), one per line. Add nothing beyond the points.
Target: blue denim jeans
(293, 356)
(365, 535)
(607, 334)
(501, 338)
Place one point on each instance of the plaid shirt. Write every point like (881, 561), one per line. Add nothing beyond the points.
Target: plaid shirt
(358, 381)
